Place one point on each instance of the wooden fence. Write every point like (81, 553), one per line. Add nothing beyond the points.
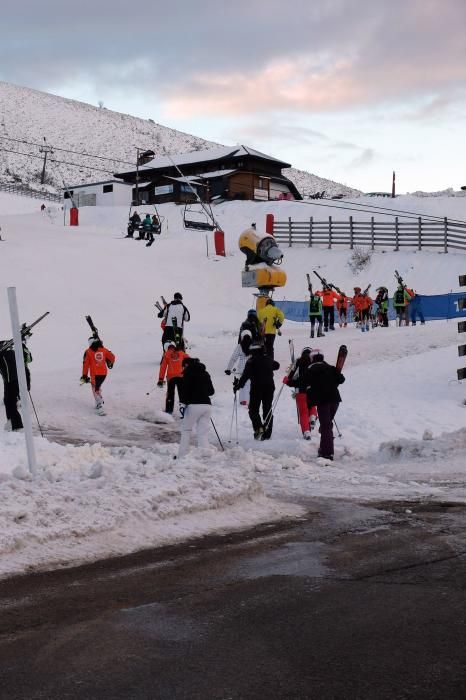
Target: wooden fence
(416, 233)
(24, 191)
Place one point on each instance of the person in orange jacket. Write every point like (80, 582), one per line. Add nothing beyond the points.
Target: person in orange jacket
(362, 304)
(172, 367)
(96, 362)
(342, 308)
(329, 298)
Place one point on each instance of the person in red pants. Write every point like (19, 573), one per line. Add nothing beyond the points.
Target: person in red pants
(296, 378)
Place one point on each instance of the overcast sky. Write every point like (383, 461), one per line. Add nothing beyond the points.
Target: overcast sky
(347, 89)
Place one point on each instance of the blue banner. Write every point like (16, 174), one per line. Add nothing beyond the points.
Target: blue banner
(433, 307)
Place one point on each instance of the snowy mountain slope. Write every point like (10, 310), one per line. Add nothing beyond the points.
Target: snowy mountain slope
(31, 115)
(120, 491)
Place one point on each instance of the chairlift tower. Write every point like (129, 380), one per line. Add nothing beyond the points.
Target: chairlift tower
(45, 150)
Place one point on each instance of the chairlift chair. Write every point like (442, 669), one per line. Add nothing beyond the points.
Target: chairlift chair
(196, 217)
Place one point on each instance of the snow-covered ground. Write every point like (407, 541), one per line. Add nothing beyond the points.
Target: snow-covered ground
(108, 485)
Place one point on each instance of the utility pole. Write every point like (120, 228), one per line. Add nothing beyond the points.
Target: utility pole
(45, 150)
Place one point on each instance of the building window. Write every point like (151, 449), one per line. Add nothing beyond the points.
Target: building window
(107, 188)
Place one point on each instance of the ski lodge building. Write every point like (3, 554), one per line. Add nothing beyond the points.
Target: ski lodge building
(234, 172)
(109, 193)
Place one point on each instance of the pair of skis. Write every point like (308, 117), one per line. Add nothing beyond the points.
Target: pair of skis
(161, 305)
(25, 333)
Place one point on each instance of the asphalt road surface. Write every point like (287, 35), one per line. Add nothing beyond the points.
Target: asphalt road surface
(353, 601)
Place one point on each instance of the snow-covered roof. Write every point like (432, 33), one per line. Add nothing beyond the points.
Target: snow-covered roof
(202, 156)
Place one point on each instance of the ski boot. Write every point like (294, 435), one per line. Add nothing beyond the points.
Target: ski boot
(307, 435)
(258, 433)
(312, 334)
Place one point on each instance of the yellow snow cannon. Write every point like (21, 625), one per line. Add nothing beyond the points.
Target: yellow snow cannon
(264, 277)
(259, 248)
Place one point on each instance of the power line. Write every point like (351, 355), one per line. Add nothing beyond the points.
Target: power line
(54, 160)
(390, 209)
(68, 150)
(404, 216)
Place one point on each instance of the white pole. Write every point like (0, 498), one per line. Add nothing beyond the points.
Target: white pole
(20, 368)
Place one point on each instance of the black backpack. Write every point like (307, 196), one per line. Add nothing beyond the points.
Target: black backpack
(399, 298)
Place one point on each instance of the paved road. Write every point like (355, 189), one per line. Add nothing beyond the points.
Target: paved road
(351, 602)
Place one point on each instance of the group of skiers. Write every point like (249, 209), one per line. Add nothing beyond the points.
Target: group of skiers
(145, 228)
(367, 312)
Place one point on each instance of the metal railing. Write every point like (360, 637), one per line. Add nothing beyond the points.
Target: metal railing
(25, 191)
(417, 233)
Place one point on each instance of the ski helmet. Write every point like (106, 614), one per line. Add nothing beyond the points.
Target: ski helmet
(306, 351)
(252, 312)
(177, 295)
(318, 357)
(357, 289)
(93, 340)
(169, 344)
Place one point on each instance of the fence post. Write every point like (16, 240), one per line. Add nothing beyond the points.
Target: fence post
(329, 231)
(311, 224)
(372, 233)
(397, 246)
(351, 245)
(290, 238)
(419, 234)
(445, 235)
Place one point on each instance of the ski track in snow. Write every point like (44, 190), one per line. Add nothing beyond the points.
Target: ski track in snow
(109, 485)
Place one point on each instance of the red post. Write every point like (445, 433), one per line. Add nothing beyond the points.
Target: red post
(74, 216)
(219, 241)
(269, 222)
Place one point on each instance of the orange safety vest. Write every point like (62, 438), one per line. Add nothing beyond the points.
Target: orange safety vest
(328, 297)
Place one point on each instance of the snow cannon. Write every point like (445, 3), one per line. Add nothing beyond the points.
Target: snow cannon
(262, 252)
(259, 249)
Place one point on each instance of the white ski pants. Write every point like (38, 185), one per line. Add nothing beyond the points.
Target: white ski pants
(196, 415)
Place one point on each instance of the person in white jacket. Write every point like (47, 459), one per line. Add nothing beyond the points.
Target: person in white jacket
(237, 362)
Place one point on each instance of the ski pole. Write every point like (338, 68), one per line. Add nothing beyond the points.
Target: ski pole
(232, 417)
(218, 436)
(336, 426)
(269, 415)
(236, 413)
(150, 392)
(35, 413)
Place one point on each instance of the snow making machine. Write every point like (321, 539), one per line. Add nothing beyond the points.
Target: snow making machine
(262, 260)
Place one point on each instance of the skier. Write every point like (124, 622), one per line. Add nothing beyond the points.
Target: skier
(197, 390)
(315, 313)
(271, 320)
(96, 360)
(322, 381)
(415, 309)
(382, 306)
(401, 299)
(146, 228)
(9, 374)
(297, 377)
(174, 316)
(342, 308)
(134, 220)
(172, 366)
(362, 304)
(329, 297)
(252, 325)
(259, 370)
(236, 365)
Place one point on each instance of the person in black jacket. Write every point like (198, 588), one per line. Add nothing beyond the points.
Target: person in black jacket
(197, 390)
(174, 315)
(249, 331)
(259, 370)
(11, 385)
(322, 382)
